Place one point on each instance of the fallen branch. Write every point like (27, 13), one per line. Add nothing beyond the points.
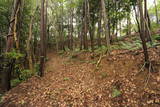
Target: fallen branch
(141, 68)
(99, 61)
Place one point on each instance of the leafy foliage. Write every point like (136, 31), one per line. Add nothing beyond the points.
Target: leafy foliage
(25, 74)
(156, 37)
(14, 55)
(15, 82)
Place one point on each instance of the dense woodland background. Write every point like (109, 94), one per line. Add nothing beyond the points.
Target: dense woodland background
(30, 30)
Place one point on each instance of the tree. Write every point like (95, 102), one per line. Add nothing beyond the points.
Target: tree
(142, 36)
(105, 20)
(156, 11)
(11, 37)
(147, 22)
(42, 39)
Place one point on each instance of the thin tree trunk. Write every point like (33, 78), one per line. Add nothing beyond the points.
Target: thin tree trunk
(99, 33)
(68, 41)
(29, 50)
(45, 27)
(85, 26)
(147, 24)
(105, 19)
(42, 41)
(138, 23)
(82, 31)
(156, 11)
(142, 33)
(71, 30)
(129, 24)
(91, 22)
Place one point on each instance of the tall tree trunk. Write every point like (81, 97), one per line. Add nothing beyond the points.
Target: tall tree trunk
(156, 11)
(147, 23)
(142, 33)
(62, 29)
(85, 26)
(128, 24)
(71, 30)
(105, 19)
(42, 40)
(99, 33)
(69, 33)
(6, 78)
(136, 15)
(29, 49)
(91, 22)
(82, 30)
(109, 22)
(45, 27)
(120, 28)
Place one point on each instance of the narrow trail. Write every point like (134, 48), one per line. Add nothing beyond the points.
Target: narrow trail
(75, 82)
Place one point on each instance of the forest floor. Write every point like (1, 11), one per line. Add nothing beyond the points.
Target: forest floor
(74, 80)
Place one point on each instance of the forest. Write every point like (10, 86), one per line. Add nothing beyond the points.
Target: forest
(79, 53)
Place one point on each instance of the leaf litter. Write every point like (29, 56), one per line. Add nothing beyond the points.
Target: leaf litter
(73, 83)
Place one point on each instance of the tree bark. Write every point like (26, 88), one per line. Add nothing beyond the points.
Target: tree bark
(147, 22)
(99, 33)
(105, 19)
(138, 23)
(42, 40)
(156, 11)
(29, 49)
(85, 43)
(91, 22)
(6, 78)
(142, 33)
(45, 27)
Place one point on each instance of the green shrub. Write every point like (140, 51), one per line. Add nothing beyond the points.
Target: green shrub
(25, 74)
(15, 82)
(155, 26)
(156, 37)
(36, 67)
(14, 55)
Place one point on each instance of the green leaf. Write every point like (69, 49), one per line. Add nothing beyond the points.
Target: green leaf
(116, 93)
(66, 79)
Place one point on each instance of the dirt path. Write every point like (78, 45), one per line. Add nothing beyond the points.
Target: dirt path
(75, 82)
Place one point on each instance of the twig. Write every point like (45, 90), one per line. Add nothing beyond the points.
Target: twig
(141, 68)
(99, 61)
